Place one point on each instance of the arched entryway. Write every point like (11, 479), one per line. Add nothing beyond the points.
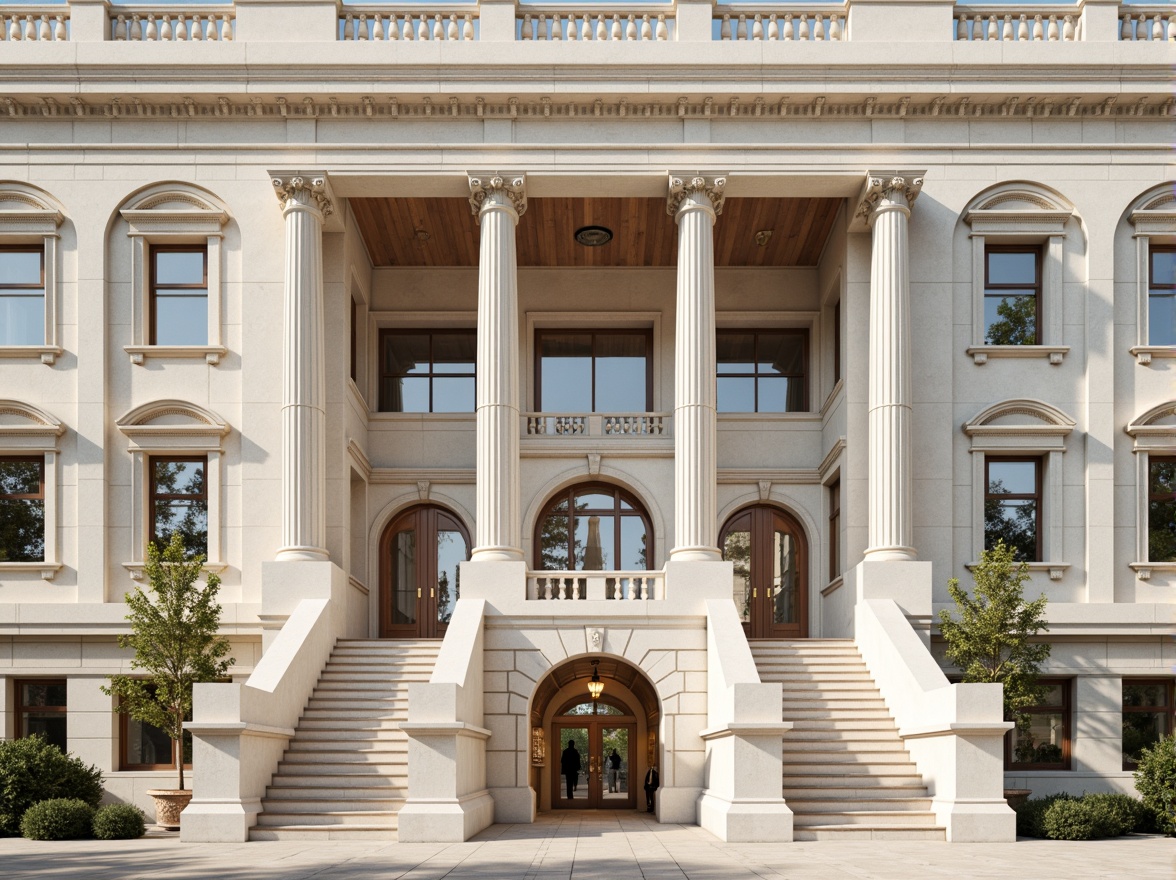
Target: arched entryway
(419, 555)
(593, 527)
(770, 553)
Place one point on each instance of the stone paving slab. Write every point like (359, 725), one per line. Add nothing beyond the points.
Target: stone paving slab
(588, 846)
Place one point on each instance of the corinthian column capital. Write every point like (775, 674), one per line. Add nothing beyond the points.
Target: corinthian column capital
(887, 189)
(695, 191)
(498, 191)
(303, 189)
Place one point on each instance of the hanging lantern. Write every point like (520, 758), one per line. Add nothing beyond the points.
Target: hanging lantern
(595, 686)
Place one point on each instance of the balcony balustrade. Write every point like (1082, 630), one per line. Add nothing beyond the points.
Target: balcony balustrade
(624, 586)
(976, 24)
(596, 424)
(172, 24)
(1148, 23)
(45, 24)
(770, 23)
(599, 23)
(455, 23)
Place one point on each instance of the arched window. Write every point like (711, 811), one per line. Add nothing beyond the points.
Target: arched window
(770, 589)
(594, 527)
(419, 555)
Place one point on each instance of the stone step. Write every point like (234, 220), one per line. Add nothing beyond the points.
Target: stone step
(814, 677)
(346, 756)
(853, 735)
(357, 776)
(823, 687)
(352, 769)
(333, 817)
(851, 776)
(355, 794)
(348, 686)
(866, 817)
(874, 805)
(813, 670)
(808, 747)
(385, 832)
(846, 724)
(364, 671)
(843, 757)
(802, 703)
(313, 713)
(383, 706)
(843, 714)
(367, 724)
(351, 735)
(851, 790)
(862, 832)
(326, 747)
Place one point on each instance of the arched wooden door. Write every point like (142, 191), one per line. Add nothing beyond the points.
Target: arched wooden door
(770, 588)
(419, 556)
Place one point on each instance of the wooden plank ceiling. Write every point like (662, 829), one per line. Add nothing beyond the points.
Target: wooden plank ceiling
(442, 232)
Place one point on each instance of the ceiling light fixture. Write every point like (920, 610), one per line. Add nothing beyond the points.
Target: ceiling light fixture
(593, 236)
(761, 237)
(595, 686)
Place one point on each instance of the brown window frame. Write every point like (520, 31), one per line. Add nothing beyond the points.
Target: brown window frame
(593, 332)
(1037, 281)
(124, 739)
(1067, 709)
(802, 332)
(1169, 710)
(1152, 286)
(1036, 496)
(430, 332)
(153, 496)
(39, 495)
(40, 251)
(22, 710)
(835, 529)
(1156, 496)
(153, 286)
(569, 494)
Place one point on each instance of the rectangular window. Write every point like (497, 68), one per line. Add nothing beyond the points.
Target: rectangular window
(1161, 296)
(1012, 505)
(424, 371)
(22, 295)
(594, 371)
(179, 295)
(41, 710)
(1045, 744)
(1161, 509)
(762, 371)
(1012, 295)
(144, 746)
(837, 342)
(835, 530)
(22, 509)
(1147, 716)
(179, 502)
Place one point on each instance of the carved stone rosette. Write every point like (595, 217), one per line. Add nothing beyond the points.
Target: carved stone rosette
(498, 190)
(896, 190)
(303, 190)
(682, 188)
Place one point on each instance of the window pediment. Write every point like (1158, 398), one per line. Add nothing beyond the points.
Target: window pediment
(1022, 424)
(174, 211)
(27, 427)
(1014, 209)
(1155, 213)
(1155, 429)
(24, 213)
(172, 425)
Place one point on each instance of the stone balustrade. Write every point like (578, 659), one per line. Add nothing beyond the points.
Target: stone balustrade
(772, 23)
(172, 24)
(975, 24)
(34, 23)
(565, 586)
(600, 23)
(596, 424)
(1156, 23)
(438, 22)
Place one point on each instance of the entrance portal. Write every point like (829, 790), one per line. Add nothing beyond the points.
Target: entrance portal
(597, 744)
(419, 554)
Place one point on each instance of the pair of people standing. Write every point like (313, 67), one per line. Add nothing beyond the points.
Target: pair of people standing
(570, 764)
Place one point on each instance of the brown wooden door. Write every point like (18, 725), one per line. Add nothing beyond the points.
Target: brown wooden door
(419, 556)
(770, 588)
(595, 786)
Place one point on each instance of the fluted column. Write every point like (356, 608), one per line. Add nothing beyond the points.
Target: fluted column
(886, 206)
(498, 202)
(695, 202)
(305, 204)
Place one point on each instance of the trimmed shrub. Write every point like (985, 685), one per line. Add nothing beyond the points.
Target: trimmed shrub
(1155, 780)
(1069, 819)
(119, 822)
(1116, 814)
(57, 819)
(32, 770)
(1031, 814)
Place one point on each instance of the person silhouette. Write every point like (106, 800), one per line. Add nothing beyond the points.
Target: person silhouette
(652, 784)
(569, 766)
(614, 771)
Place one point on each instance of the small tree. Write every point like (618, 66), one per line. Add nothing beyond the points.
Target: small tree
(174, 636)
(991, 640)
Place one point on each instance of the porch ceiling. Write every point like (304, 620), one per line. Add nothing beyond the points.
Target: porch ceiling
(611, 669)
(442, 232)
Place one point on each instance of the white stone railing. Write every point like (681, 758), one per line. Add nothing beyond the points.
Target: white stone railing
(772, 23)
(1156, 23)
(34, 23)
(596, 424)
(1041, 24)
(631, 23)
(565, 586)
(455, 23)
(172, 24)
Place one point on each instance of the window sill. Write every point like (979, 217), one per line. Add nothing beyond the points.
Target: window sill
(1143, 570)
(136, 568)
(1055, 569)
(47, 353)
(981, 353)
(1144, 353)
(47, 570)
(211, 353)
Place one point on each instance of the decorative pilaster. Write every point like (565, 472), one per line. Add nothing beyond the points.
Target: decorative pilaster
(497, 202)
(305, 203)
(886, 206)
(695, 202)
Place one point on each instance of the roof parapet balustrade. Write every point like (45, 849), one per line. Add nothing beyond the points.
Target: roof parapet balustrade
(43, 24)
(1153, 23)
(596, 424)
(632, 22)
(786, 23)
(1036, 24)
(452, 22)
(565, 586)
(171, 23)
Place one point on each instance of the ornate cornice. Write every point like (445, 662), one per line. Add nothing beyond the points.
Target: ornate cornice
(901, 187)
(683, 187)
(497, 189)
(308, 189)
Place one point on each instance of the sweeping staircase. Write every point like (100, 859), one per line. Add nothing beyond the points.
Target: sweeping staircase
(345, 773)
(847, 773)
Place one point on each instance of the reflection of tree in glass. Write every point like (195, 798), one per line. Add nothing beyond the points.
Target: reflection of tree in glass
(737, 549)
(553, 541)
(187, 518)
(1017, 324)
(1161, 515)
(1016, 525)
(642, 559)
(22, 520)
(1030, 752)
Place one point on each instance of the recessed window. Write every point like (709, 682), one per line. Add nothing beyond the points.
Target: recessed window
(837, 342)
(594, 371)
(1161, 296)
(179, 502)
(1012, 295)
(762, 371)
(1045, 743)
(41, 710)
(427, 371)
(22, 509)
(179, 295)
(22, 296)
(1012, 506)
(835, 530)
(1161, 509)
(354, 339)
(1147, 716)
(593, 528)
(146, 747)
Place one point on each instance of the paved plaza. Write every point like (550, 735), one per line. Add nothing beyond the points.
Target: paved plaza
(579, 846)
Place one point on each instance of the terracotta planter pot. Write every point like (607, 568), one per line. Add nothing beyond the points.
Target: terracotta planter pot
(169, 803)
(1017, 796)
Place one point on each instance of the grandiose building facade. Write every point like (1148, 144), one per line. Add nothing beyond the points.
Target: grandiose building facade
(565, 391)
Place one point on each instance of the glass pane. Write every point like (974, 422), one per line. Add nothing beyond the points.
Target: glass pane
(404, 578)
(1015, 523)
(1012, 268)
(405, 394)
(573, 763)
(620, 373)
(181, 320)
(1054, 695)
(22, 317)
(1145, 694)
(42, 694)
(20, 477)
(1012, 477)
(454, 352)
(406, 353)
(781, 353)
(1163, 267)
(178, 477)
(735, 352)
(49, 725)
(778, 394)
(595, 534)
(452, 395)
(615, 761)
(20, 267)
(736, 395)
(1162, 476)
(634, 549)
(565, 370)
(594, 501)
(1161, 319)
(451, 549)
(784, 578)
(22, 530)
(737, 549)
(1010, 319)
(179, 267)
(189, 519)
(553, 539)
(1142, 730)
(1042, 742)
(147, 744)
(1161, 530)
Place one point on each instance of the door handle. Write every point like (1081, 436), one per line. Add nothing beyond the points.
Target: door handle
(754, 592)
(418, 592)
(432, 593)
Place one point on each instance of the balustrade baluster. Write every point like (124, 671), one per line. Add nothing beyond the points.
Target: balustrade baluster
(804, 26)
(59, 29)
(556, 32)
(757, 28)
(962, 29)
(1068, 29)
(834, 28)
(725, 27)
(378, 28)
(136, 32)
(1157, 28)
(349, 27)
(586, 28)
(993, 29)
(423, 28)
(528, 28)
(789, 28)
(393, 27)
(1051, 32)
(29, 31)
(1038, 29)
(646, 29)
(409, 32)
(773, 32)
(601, 28)
(197, 28)
(575, 588)
(1172, 28)
(45, 35)
(741, 28)
(819, 29)
(210, 31)
(467, 29)
(1023, 29)
(663, 30)
(362, 31)
(615, 30)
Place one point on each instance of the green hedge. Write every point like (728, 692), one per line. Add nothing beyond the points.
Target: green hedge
(58, 819)
(1155, 780)
(32, 770)
(119, 822)
(1089, 817)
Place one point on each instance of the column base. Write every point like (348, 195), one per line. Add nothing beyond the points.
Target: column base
(212, 821)
(745, 821)
(988, 821)
(696, 554)
(674, 806)
(891, 554)
(453, 821)
(515, 805)
(302, 554)
(496, 554)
